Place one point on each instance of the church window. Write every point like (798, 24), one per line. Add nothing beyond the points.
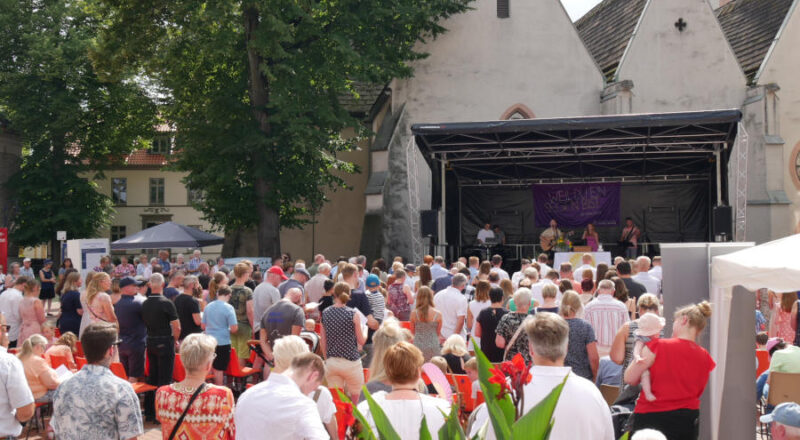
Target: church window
(502, 9)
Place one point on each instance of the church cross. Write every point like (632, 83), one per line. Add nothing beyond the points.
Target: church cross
(680, 24)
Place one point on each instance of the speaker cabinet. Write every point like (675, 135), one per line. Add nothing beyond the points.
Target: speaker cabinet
(429, 223)
(723, 222)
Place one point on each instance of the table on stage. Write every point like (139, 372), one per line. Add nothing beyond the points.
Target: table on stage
(575, 258)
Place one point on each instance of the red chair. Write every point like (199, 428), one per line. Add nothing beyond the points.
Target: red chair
(138, 387)
(237, 373)
(344, 412)
(366, 375)
(406, 325)
(80, 361)
(763, 361)
(178, 371)
(56, 361)
(451, 379)
(79, 349)
(57, 332)
(464, 386)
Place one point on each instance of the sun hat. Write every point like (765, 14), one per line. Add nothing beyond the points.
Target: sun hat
(650, 324)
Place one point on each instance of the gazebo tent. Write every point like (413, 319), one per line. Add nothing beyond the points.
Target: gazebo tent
(167, 235)
(773, 266)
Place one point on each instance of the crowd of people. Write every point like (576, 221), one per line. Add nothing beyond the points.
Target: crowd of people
(308, 328)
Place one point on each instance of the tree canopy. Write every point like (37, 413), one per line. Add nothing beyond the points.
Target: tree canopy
(253, 89)
(71, 120)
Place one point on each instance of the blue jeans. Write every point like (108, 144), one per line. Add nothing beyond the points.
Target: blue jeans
(762, 390)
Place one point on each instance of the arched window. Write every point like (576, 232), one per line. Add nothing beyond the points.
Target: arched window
(794, 165)
(518, 111)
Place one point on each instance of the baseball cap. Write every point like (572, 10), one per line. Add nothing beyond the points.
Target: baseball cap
(278, 271)
(372, 281)
(410, 268)
(772, 342)
(26, 260)
(127, 281)
(787, 413)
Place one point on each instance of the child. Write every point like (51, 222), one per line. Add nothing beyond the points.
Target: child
(311, 325)
(471, 367)
(650, 326)
(761, 341)
(49, 333)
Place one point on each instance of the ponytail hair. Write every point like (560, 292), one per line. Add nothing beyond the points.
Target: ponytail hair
(215, 285)
(570, 304)
(341, 291)
(698, 314)
(27, 347)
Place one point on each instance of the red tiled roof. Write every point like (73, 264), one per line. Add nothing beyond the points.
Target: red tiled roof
(145, 158)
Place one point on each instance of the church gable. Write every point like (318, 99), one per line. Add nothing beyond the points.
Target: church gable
(679, 59)
(485, 63)
(781, 55)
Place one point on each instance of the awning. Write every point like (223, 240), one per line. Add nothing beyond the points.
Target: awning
(167, 235)
(657, 146)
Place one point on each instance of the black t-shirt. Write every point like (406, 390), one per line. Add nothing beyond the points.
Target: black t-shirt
(635, 289)
(454, 362)
(186, 306)
(157, 313)
(324, 303)
(488, 318)
(359, 300)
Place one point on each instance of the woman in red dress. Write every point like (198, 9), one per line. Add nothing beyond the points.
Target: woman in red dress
(679, 370)
(211, 414)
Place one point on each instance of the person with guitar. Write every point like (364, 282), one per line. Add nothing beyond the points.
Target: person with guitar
(549, 237)
(629, 238)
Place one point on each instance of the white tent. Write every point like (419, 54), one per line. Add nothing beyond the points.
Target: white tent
(772, 265)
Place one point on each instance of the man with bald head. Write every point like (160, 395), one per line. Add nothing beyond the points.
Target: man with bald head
(283, 318)
(606, 315)
(643, 277)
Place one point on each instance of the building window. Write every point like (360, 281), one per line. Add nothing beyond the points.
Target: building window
(119, 190)
(503, 9)
(161, 144)
(794, 165)
(194, 196)
(118, 233)
(157, 191)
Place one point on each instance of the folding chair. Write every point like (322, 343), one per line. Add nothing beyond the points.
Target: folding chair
(610, 393)
(783, 387)
(464, 387)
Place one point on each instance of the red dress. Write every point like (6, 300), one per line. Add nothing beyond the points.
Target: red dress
(210, 417)
(678, 376)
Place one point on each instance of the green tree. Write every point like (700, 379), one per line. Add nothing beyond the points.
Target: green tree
(71, 120)
(254, 86)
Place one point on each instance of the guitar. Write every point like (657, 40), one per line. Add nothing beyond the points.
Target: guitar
(548, 243)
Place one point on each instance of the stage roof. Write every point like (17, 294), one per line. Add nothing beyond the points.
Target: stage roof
(634, 147)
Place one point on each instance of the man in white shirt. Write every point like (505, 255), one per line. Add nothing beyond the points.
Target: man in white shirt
(544, 268)
(497, 262)
(587, 264)
(651, 283)
(548, 334)
(411, 276)
(438, 270)
(279, 408)
(517, 276)
(655, 272)
(486, 234)
(453, 306)
(27, 270)
(16, 399)
(9, 307)
(315, 287)
(606, 315)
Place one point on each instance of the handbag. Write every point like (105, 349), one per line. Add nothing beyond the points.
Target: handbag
(189, 405)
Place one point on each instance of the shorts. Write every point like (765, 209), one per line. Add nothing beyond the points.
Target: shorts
(223, 357)
(239, 341)
(345, 374)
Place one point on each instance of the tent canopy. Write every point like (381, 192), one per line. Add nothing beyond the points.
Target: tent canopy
(167, 235)
(660, 146)
(772, 265)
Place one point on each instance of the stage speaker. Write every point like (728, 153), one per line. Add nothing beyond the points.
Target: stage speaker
(429, 223)
(723, 222)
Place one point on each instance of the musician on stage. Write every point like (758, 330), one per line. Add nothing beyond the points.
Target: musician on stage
(629, 238)
(485, 235)
(499, 236)
(549, 237)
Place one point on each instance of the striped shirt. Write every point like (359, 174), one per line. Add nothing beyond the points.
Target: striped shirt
(378, 304)
(606, 315)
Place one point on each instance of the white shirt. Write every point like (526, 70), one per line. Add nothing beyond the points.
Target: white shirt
(9, 306)
(264, 296)
(14, 393)
(315, 288)
(516, 278)
(411, 282)
(652, 283)
(606, 315)
(453, 304)
(475, 307)
(655, 272)
(485, 234)
(503, 274)
(536, 292)
(406, 415)
(277, 409)
(578, 273)
(581, 412)
(544, 269)
(325, 405)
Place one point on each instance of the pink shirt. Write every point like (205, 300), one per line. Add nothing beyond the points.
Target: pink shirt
(606, 315)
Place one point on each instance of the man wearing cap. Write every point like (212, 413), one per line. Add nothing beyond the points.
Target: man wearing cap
(785, 420)
(266, 294)
(411, 276)
(299, 278)
(378, 304)
(132, 331)
(27, 270)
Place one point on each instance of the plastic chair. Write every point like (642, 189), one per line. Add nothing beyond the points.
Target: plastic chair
(406, 325)
(56, 361)
(79, 349)
(138, 387)
(237, 373)
(366, 375)
(763, 361)
(178, 371)
(464, 387)
(80, 361)
(610, 393)
(783, 387)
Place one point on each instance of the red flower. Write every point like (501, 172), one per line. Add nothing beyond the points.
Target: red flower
(498, 377)
(522, 372)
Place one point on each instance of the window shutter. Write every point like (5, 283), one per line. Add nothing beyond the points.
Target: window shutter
(502, 9)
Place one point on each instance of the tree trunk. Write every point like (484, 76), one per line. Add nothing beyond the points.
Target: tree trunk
(268, 228)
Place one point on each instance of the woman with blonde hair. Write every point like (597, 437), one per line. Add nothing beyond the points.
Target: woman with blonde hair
(426, 324)
(31, 311)
(475, 307)
(210, 414)
(454, 351)
(64, 347)
(218, 280)
(42, 379)
(98, 302)
(71, 310)
(582, 353)
(387, 335)
(679, 370)
(340, 337)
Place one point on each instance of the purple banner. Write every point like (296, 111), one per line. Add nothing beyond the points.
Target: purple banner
(574, 205)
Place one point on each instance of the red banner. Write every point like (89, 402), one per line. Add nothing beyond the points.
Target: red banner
(4, 249)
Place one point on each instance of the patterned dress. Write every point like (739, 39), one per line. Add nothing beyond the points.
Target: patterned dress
(398, 302)
(210, 417)
(506, 328)
(426, 337)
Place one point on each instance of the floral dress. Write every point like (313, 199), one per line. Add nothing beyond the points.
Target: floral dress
(782, 324)
(506, 328)
(210, 417)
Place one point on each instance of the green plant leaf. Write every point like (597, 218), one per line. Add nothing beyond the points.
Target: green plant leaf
(385, 429)
(624, 436)
(452, 427)
(537, 423)
(501, 412)
(424, 432)
(366, 430)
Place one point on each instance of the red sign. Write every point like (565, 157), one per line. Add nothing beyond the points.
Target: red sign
(4, 249)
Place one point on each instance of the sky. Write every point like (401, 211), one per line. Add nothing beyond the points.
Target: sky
(576, 8)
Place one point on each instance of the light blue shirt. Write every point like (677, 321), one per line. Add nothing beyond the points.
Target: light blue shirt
(218, 317)
(438, 271)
